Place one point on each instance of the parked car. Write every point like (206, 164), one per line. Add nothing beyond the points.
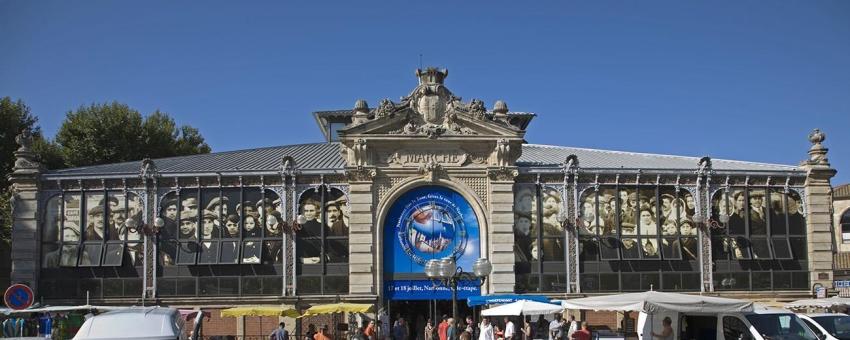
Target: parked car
(141, 323)
(828, 326)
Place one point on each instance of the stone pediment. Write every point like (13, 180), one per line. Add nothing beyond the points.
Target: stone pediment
(431, 111)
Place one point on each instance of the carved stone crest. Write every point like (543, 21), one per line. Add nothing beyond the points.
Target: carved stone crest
(502, 174)
(361, 174)
(431, 170)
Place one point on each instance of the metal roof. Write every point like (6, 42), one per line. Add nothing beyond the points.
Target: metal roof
(549, 155)
(326, 156)
(841, 192)
(316, 156)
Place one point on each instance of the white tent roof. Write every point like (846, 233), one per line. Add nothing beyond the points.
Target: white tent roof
(651, 302)
(819, 303)
(522, 307)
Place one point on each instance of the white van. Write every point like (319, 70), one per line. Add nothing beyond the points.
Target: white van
(828, 326)
(760, 324)
(142, 323)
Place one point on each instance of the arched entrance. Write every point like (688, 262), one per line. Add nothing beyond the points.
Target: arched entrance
(427, 222)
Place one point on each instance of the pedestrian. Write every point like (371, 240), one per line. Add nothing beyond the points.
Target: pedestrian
(572, 327)
(400, 331)
(280, 333)
(527, 332)
(555, 330)
(429, 330)
(311, 332)
(370, 330)
(442, 328)
(322, 334)
(486, 330)
(451, 330)
(509, 329)
(583, 333)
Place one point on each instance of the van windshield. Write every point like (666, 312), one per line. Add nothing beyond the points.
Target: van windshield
(836, 325)
(780, 327)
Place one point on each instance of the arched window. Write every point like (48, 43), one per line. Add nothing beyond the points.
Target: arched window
(845, 226)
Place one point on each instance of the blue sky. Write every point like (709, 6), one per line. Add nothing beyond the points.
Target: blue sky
(744, 80)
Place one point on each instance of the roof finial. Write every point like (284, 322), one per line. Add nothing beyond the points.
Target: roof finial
(361, 112)
(817, 153)
(500, 110)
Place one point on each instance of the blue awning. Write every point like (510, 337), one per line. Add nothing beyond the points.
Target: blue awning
(499, 299)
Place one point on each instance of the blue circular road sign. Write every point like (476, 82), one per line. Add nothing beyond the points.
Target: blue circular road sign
(18, 296)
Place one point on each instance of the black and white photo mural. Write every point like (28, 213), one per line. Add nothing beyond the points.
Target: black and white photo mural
(759, 242)
(321, 242)
(540, 243)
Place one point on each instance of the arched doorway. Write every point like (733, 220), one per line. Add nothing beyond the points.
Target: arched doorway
(427, 222)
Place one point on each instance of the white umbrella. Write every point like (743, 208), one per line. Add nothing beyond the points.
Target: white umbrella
(523, 307)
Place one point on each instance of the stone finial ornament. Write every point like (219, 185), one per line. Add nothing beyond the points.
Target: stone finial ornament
(500, 110)
(361, 112)
(817, 153)
(386, 108)
(24, 157)
(148, 169)
(432, 75)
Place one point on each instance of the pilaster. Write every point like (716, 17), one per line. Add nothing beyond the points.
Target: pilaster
(501, 247)
(819, 211)
(362, 233)
(25, 236)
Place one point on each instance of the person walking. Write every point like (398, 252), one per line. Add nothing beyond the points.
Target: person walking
(451, 330)
(400, 331)
(429, 330)
(556, 332)
(322, 334)
(370, 330)
(527, 332)
(572, 327)
(442, 328)
(280, 333)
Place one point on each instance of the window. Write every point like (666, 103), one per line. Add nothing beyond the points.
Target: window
(539, 239)
(845, 226)
(761, 242)
(322, 242)
(637, 237)
(735, 329)
(99, 237)
(214, 226)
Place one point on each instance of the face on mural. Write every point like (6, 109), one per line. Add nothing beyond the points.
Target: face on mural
(523, 225)
(310, 212)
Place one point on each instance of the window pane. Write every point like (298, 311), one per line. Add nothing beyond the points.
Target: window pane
(94, 229)
(761, 250)
(650, 248)
(208, 252)
(90, 286)
(526, 283)
(781, 280)
(71, 230)
(554, 283)
(608, 211)
(135, 209)
(188, 217)
(186, 253)
(631, 249)
(719, 248)
(116, 216)
(777, 213)
(650, 281)
(336, 213)
(229, 252)
(113, 287)
(690, 281)
(52, 220)
(628, 211)
(309, 238)
(671, 248)
(208, 286)
(166, 287)
(336, 249)
(50, 255)
(309, 285)
(132, 287)
(523, 240)
(136, 254)
(91, 255)
(590, 225)
(273, 252)
(228, 286)
(668, 215)
(672, 281)
(114, 254)
(551, 209)
(186, 287)
(737, 220)
(590, 283)
(800, 280)
(69, 255)
(609, 247)
(758, 212)
(781, 248)
(796, 222)
(251, 286)
(761, 280)
(739, 247)
(798, 247)
(336, 284)
(690, 248)
(229, 215)
(609, 282)
(589, 250)
(272, 285)
(630, 282)
(553, 249)
(251, 252)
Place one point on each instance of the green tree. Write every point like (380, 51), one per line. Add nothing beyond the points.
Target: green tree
(14, 118)
(110, 133)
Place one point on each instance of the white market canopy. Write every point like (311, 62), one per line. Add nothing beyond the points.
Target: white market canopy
(834, 301)
(522, 307)
(652, 302)
(55, 309)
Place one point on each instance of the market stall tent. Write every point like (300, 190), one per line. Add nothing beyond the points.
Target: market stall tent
(522, 307)
(652, 301)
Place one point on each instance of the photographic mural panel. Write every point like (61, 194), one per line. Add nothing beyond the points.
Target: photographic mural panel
(321, 242)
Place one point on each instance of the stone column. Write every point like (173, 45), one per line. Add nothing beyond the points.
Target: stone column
(501, 236)
(819, 211)
(25, 236)
(362, 233)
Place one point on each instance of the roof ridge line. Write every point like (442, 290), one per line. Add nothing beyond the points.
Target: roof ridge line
(657, 154)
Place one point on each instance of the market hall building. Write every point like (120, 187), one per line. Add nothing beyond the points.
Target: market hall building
(356, 218)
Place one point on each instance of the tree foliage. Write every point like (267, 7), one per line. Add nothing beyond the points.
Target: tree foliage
(110, 133)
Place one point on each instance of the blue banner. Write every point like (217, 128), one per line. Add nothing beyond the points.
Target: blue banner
(501, 299)
(429, 290)
(429, 222)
